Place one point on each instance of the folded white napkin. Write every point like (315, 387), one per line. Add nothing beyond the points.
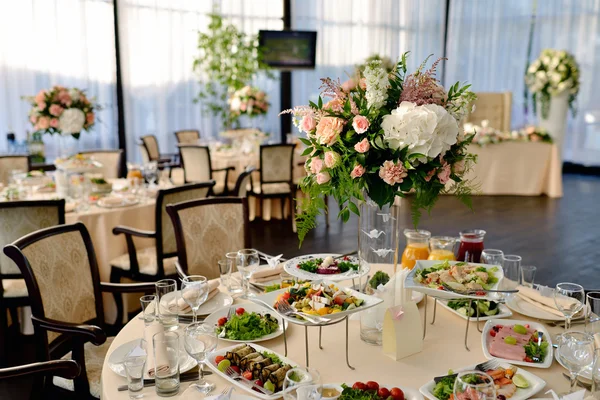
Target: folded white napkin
(545, 303)
(273, 261)
(266, 274)
(213, 289)
(579, 395)
(159, 353)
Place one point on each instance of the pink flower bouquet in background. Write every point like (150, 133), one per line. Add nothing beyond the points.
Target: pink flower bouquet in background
(62, 111)
(384, 134)
(249, 101)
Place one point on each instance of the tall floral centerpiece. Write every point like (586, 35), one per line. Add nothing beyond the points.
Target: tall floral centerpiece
(553, 80)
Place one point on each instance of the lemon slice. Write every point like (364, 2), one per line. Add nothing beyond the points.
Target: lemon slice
(520, 381)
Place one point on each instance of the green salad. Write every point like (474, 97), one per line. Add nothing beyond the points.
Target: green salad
(272, 288)
(479, 308)
(444, 387)
(247, 326)
(457, 276)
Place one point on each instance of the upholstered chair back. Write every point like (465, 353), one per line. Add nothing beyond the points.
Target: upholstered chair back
(243, 182)
(10, 163)
(144, 153)
(494, 107)
(188, 136)
(151, 146)
(20, 218)
(196, 163)
(206, 230)
(110, 160)
(276, 163)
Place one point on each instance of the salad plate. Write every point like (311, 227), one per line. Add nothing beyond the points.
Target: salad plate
(444, 388)
(354, 391)
(514, 341)
(248, 308)
(314, 267)
(211, 305)
(459, 307)
(428, 277)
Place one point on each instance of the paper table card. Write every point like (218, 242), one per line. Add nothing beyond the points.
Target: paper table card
(402, 331)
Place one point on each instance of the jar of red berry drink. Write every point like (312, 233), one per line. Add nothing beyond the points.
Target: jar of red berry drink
(471, 245)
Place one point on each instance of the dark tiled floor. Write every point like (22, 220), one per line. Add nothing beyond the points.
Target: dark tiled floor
(560, 236)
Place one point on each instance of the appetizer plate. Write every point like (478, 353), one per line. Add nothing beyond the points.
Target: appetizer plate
(535, 384)
(485, 342)
(410, 282)
(503, 312)
(409, 393)
(213, 318)
(220, 300)
(115, 360)
(117, 202)
(271, 297)
(240, 384)
(517, 304)
(291, 267)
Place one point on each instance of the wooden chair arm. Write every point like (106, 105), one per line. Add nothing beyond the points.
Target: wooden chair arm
(127, 287)
(223, 169)
(117, 230)
(129, 233)
(67, 369)
(85, 332)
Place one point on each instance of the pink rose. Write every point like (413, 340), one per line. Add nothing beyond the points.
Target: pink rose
(329, 129)
(335, 105)
(363, 146)
(65, 98)
(360, 124)
(323, 177)
(430, 175)
(54, 122)
(89, 118)
(308, 124)
(357, 172)
(332, 159)
(43, 123)
(33, 119)
(56, 110)
(363, 83)
(41, 105)
(392, 173)
(316, 165)
(349, 85)
(41, 96)
(243, 107)
(444, 173)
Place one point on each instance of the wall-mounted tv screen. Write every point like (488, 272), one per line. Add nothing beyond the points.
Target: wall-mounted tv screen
(288, 49)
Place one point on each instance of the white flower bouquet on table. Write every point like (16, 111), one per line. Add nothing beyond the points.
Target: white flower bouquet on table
(388, 135)
(249, 101)
(485, 134)
(62, 111)
(554, 72)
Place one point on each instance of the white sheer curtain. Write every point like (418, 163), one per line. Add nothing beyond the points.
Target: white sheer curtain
(57, 42)
(487, 46)
(350, 31)
(158, 46)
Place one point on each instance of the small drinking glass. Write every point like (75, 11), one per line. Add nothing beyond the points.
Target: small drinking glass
(474, 385)
(134, 364)
(302, 384)
(569, 299)
(194, 290)
(492, 257)
(168, 313)
(234, 285)
(148, 308)
(225, 272)
(200, 341)
(511, 266)
(528, 275)
(596, 375)
(247, 262)
(166, 361)
(576, 352)
(592, 317)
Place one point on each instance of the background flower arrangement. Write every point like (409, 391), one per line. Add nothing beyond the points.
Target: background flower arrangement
(485, 134)
(63, 111)
(553, 73)
(248, 101)
(386, 136)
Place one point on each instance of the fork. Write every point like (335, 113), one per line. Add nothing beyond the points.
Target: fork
(284, 308)
(474, 291)
(225, 393)
(488, 365)
(537, 357)
(230, 314)
(230, 372)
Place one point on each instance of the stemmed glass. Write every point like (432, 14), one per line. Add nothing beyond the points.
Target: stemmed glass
(302, 384)
(474, 385)
(200, 341)
(247, 263)
(576, 352)
(150, 171)
(569, 299)
(194, 291)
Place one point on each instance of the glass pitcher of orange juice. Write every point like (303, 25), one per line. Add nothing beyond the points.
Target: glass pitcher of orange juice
(417, 247)
(442, 248)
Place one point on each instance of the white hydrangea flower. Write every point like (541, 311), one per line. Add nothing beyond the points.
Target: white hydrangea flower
(74, 93)
(71, 121)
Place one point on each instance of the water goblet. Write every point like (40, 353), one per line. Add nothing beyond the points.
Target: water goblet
(569, 299)
(194, 291)
(200, 341)
(576, 352)
(474, 385)
(248, 261)
(302, 384)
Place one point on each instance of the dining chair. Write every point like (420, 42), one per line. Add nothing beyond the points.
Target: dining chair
(276, 175)
(61, 273)
(17, 219)
(207, 229)
(157, 262)
(110, 160)
(187, 136)
(66, 369)
(244, 182)
(151, 144)
(494, 107)
(197, 167)
(11, 163)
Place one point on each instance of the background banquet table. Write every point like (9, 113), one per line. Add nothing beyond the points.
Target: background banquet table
(518, 168)
(443, 350)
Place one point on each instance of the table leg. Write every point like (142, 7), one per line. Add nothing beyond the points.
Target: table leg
(477, 312)
(320, 347)
(434, 310)
(425, 319)
(306, 343)
(284, 340)
(347, 359)
(468, 322)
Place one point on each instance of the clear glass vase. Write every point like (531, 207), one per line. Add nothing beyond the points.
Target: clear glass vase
(378, 239)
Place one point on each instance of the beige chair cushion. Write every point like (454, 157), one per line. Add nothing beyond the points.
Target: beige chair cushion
(14, 288)
(188, 137)
(276, 163)
(109, 160)
(147, 261)
(272, 188)
(151, 146)
(8, 164)
(94, 359)
(496, 108)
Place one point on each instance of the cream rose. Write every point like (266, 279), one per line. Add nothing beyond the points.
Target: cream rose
(328, 130)
(360, 124)
(332, 159)
(307, 124)
(323, 177)
(363, 146)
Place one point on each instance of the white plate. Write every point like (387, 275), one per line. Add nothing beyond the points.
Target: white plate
(409, 393)
(485, 336)
(517, 304)
(213, 318)
(410, 282)
(535, 384)
(115, 360)
(369, 301)
(291, 267)
(503, 312)
(220, 300)
(239, 384)
(124, 202)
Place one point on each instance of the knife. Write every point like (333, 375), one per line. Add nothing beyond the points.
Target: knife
(182, 378)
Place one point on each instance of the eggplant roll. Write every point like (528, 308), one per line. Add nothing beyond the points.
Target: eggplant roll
(277, 377)
(267, 371)
(244, 361)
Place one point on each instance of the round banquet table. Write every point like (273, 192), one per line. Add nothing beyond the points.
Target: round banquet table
(443, 349)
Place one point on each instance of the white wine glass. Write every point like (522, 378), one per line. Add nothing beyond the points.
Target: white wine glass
(302, 384)
(248, 261)
(200, 341)
(576, 353)
(194, 291)
(474, 385)
(569, 299)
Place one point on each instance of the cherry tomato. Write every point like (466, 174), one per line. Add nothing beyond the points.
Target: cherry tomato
(218, 359)
(493, 333)
(240, 311)
(247, 375)
(236, 368)
(339, 300)
(527, 359)
(359, 386)
(372, 385)
(285, 296)
(222, 321)
(397, 394)
(384, 393)
(258, 382)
